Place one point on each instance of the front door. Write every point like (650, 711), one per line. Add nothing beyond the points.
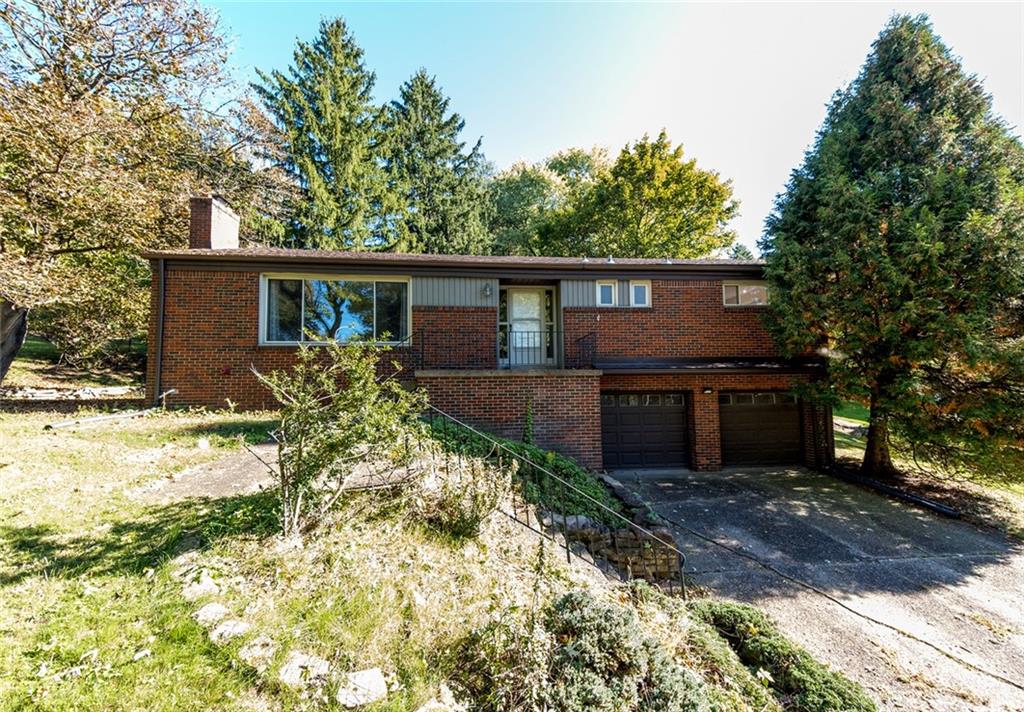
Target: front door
(528, 338)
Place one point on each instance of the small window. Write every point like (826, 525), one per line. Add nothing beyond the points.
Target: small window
(788, 398)
(607, 399)
(750, 294)
(724, 399)
(627, 400)
(606, 293)
(652, 400)
(743, 399)
(640, 294)
(731, 294)
(673, 399)
(765, 398)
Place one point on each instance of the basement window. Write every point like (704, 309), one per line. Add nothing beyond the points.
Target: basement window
(332, 308)
(744, 294)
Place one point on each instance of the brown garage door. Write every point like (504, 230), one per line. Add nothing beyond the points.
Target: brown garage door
(759, 428)
(643, 430)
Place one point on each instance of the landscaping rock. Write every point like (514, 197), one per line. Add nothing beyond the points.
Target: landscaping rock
(228, 630)
(363, 688)
(258, 652)
(211, 613)
(444, 702)
(301, 670)
(203, 586)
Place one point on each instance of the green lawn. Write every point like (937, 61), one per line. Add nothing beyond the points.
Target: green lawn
(38, 366)
(89, 614)
(852, 411)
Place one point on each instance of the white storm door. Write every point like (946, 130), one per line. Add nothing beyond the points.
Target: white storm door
(527, 335)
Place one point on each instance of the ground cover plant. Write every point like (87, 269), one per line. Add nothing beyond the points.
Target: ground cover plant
(587, 496)
(801, 682)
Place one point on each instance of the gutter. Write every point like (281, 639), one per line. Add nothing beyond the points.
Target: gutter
(438, 265)
(160, 331)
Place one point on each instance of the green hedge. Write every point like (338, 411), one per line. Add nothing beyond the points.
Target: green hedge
(807, 685)
(538, 486)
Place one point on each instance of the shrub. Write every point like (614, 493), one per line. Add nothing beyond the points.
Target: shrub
(503, 665)
(337, 415)
(702, 649)
(587, 495)
(807, 684)
(457, 496)
(601, 661)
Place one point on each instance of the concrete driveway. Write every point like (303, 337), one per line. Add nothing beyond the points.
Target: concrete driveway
(944, 581)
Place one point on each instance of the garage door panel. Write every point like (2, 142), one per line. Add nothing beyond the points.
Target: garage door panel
(643, 430)
(759, 429)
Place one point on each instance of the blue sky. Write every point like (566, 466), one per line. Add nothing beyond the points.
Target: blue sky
(743, 86)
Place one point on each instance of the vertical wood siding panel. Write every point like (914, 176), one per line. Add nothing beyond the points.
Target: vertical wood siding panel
(579, 292)
(453, 292)
(623, 292)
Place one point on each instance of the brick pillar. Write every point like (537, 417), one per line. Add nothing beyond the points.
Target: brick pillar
(707, 442)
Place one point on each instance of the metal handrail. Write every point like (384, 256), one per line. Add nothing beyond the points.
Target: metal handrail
(645, 535)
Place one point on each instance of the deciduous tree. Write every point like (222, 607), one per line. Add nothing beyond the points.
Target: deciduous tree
(105, 129)
(897, 248)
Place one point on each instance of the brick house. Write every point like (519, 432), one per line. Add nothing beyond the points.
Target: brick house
(625, 363)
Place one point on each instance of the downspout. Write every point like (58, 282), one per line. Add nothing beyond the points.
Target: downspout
(160, 332)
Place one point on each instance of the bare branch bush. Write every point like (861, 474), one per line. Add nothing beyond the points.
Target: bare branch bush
(342, 423)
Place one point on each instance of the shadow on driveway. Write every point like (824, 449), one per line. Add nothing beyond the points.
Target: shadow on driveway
(943, 580)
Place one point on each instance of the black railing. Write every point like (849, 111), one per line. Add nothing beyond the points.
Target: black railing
(582, 351)
(501, 348)
(528, 349)
(585, 527)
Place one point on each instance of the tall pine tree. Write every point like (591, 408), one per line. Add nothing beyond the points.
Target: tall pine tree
(897, 247)
(331, 133)
(442, 186)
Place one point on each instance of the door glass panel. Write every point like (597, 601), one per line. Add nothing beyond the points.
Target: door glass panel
(652, 400)
(607, 399)
(503, 306)
(765, 398)
(743, 399)
(526, 305)
(673, 399)
(724, 399)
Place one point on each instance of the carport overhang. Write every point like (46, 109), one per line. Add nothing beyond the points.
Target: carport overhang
(632, 366)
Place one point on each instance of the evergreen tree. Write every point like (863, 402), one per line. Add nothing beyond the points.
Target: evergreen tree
(331, 134)
(897, 248)
(441, 183)
(739, 251)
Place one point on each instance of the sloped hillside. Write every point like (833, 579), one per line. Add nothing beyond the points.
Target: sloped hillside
(118, 593)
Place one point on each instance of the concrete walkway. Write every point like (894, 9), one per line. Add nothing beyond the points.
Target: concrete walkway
(945, 581)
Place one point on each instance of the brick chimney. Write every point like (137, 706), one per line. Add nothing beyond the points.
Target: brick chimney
(212, 225)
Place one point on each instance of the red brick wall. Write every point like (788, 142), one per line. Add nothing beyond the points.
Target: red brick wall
(456, 337)
(686, 319)
(211, 338)
(566, 406)
(706, 446)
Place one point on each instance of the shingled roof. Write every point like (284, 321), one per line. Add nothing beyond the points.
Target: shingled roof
(284, 256)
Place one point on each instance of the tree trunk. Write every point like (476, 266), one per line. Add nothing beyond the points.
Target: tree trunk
(877, 459)
(13, 328)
